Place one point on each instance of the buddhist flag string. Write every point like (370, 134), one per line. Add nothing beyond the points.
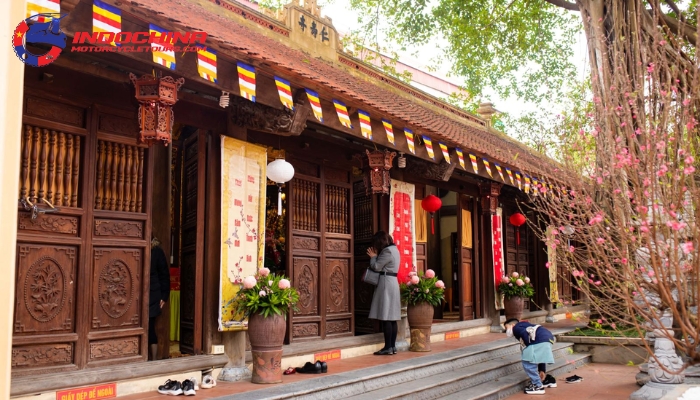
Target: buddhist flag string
(285, 91)
(206, 63)
(535, 190)
(445, 152)
(527, 183)
(500, 171)
(315, 104)
(429, 146)
(105, 18)
(517, 179)
(510, 175)
(35, 7)
(475, 166)
(246, 81)
(460, 157)
(409, 140)
(389, 131)
(488, 166)
(163, 52)
(342, 111)
(365, 124)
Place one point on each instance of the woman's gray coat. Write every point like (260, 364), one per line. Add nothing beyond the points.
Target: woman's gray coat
(386, 301)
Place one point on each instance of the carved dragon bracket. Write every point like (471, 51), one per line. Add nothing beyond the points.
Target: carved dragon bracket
(267, 119)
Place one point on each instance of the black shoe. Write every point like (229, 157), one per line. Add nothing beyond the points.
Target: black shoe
(384, 352)
(170, 387)
(574, 379)
(188, 388)
(549, 382)
(393, 350)
(532, 389)
(310, 368)
(323, 366)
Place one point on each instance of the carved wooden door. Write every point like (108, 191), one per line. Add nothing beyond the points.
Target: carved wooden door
(518, 255)
(365, 224)
(192, 237)
(81, 295)
(321, 259)
(465, 271)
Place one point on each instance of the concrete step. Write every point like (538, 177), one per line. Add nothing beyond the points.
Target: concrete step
(457, 369)
(515, 383)
(456, 380)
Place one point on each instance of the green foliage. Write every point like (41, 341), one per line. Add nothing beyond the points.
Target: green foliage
(371, 52)
(520, 48)
(425, 290)
(266, 297)
(516, 285)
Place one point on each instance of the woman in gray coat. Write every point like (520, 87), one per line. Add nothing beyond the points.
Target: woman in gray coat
(386, 301)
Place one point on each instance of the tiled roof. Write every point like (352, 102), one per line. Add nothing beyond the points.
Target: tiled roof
(313, 72)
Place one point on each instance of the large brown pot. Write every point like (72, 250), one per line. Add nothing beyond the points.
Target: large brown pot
(420, 322)
(514, 307)
(266, 339)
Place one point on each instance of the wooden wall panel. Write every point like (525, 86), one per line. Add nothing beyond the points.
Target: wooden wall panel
(109, 349)
(306, 277)
(117, 288)
(42, 355)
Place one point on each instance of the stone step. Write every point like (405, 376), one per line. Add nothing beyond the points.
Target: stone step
(515, 383)
(428, 386)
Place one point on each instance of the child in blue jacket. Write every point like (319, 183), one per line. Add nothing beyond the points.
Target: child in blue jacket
(536, 345)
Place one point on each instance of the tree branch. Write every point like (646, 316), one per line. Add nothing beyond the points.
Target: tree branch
(675, 9)
(564, 4)
(686, 30)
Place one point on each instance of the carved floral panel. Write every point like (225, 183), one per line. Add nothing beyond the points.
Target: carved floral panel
(117, 278)
(114, 348)
(305, 330)
(45, 355)
(306, 281)
(337, 327)
(118, 228)
(47, 223)
(338, 285)
(45, 289)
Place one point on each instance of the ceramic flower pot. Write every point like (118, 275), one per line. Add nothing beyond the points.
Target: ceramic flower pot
(514, 307)
(266, 340)
(420, 321)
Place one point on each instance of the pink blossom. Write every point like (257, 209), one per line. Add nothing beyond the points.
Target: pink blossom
(688, 170)
(412, 273)
(600, 240)
(515, 274)
(644, 228)
(650, 67)
(687, 247)
(264, 271)
(510, 284)
(546, 265)
(430, 274)
(689, 159)
(600, 321)
(651, 273)
(262, 293)
(519, 282)
(527, 280)
(662, 42)
(440, 284)
(284, 284)
(613, 326)
(505, 279)
(415, 279)
(249, 282)
(597, 283)
(624, 260)
(571, 249)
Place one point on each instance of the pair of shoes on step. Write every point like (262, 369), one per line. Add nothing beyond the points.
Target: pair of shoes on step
(188, 387)
(318, 367)
(387, 351)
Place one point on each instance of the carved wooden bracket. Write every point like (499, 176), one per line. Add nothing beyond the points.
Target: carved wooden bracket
(427, 170)
(267, 119)
(489, 196)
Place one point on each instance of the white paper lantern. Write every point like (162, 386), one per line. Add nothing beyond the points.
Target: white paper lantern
(280, 171)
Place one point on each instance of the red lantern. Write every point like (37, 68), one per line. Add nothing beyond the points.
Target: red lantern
(517, 220)
(431, 203)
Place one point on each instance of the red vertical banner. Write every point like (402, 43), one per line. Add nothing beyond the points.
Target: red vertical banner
(401, 225)
(497, 242)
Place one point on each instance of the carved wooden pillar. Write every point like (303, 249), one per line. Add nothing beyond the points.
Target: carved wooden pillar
(489, 193)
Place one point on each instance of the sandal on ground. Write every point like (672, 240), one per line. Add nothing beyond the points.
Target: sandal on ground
(289, 371)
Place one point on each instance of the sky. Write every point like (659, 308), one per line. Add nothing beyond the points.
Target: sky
(345, 20)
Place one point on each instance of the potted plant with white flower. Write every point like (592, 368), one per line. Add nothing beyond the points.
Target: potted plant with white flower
(515, 289)
(266, 300)
(421, 293)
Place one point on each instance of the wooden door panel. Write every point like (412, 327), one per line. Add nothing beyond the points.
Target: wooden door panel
(45, 289)
(338, 285)
(306, 275)
(466, 261)
(364, 222)
(117, 286)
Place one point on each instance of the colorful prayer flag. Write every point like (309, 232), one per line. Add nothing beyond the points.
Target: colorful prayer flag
(163, 52)
(472, 157)
(389, 131)
(35, 7)
(246, 81)
(517, 179)
(488, 166)
(429, 146)
(527, 183)
(106, 18)
(206, 63)
(500, 171)
(510, 175)
(534, 185)
(365, 124)
(285, 91)
(460, 156)
(551, 190)
(445, 152)
(409, 140)
(315, 102)
(342, 113)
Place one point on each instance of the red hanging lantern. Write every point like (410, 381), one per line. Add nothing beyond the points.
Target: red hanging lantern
(517, 220)
(431, 203)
